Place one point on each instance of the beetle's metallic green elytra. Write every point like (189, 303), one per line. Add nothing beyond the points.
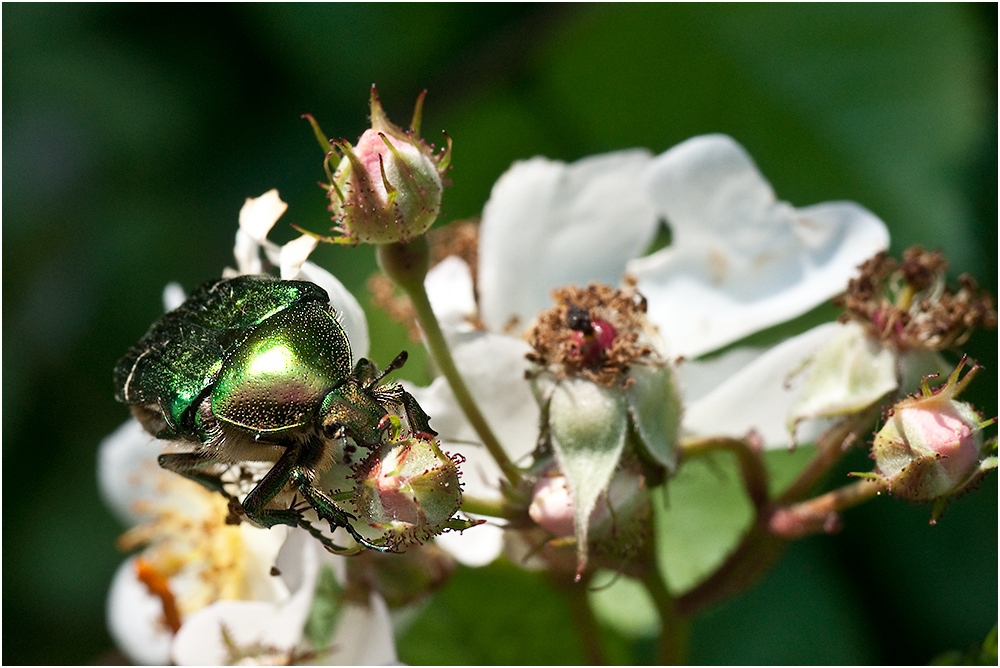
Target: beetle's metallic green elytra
(254, 369)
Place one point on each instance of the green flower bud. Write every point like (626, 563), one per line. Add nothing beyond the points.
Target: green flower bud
(388, 187)
(931, 447)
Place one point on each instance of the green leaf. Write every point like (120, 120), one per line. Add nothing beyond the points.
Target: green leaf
(588, 425)
(325, 610)
(495, 615)
(624, 605)
(702, 513)
(655, 408)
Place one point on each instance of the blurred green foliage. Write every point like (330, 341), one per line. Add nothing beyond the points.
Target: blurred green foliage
(133, 133)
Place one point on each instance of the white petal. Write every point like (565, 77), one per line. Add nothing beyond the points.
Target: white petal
(135, 619)
(173, 296)
(549, 224)
(760, 396)
(259, 214)
(474, 547)
(493, 367)
(277, 627)
(741, 261)
(449, 288)
(699, 377)
(247, 254)
(363, 636)
(127, 470)
(293, 254)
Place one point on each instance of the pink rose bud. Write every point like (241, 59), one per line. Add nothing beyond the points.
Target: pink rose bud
(931, 447)
(387, 188)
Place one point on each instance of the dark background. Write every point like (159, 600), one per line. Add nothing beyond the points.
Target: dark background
(132, 135)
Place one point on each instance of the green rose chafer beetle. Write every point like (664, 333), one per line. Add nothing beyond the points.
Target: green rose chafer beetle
(255, 369)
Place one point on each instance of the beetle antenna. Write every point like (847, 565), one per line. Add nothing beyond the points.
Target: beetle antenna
(393, 365)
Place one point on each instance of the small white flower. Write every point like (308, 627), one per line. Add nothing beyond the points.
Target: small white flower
(191, 557)
(739, 261)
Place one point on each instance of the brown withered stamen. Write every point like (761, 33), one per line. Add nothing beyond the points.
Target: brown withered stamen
(909, 305)
(460, 239)
(578, 314)
(397, 305)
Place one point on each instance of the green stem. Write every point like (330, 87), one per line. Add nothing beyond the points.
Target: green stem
(488, 507)
(586, 624)
(674, 627)
(406, 265)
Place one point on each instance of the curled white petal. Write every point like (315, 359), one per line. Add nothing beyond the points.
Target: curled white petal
(848, 374)
(741, 260)
(247, 254)
(549, 224)
(350, 315)
(173, 296)
(363, 636)
(449, 288)
(293, 254)
(760, 396)
(259, 214)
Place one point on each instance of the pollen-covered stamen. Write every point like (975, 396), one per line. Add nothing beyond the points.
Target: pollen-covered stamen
(909, 306)
(192, 538)
(596, 332)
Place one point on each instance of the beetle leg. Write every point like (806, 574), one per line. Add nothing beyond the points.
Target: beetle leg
(268, 488)
(419, 421)
(328, 510)
(327, 543)
(194, 466)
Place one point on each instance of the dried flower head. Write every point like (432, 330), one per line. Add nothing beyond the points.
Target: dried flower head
(596, 332)
(909, 306)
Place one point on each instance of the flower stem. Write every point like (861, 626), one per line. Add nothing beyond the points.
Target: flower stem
(830, 447)
(488, 507)
(586, 624)
(674, 627)
(406, 265)
(821, 514)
